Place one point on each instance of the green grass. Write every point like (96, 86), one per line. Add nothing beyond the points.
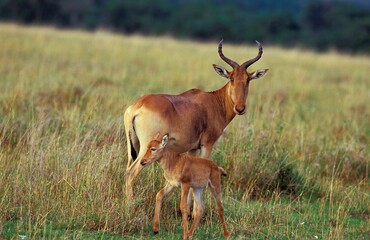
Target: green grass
(297, 162)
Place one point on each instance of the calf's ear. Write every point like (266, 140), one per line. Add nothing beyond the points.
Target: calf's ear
(165, 140)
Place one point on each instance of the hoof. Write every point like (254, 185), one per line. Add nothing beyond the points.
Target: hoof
(155, 232)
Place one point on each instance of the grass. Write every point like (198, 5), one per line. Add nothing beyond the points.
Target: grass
(297, 162)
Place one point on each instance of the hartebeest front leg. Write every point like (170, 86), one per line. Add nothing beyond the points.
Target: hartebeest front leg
(158, 204)
(184, 212)
(205, 150)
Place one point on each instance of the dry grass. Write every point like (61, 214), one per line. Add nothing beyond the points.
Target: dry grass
(298, 162)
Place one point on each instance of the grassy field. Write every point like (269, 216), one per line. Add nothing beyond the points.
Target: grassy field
(297, 162)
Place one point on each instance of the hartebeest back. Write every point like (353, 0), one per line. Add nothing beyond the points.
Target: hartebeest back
(189, 173)
(194, 119)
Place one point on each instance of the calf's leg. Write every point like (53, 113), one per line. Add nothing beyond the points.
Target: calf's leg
(158, 204)
(184, 195)
(216, 191)
(197, 193)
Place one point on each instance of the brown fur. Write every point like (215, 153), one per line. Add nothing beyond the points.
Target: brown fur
(189, 173)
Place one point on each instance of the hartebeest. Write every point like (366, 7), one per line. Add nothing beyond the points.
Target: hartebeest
(194, 119)
(189, 173)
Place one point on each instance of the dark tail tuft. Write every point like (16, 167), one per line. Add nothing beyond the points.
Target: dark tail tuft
(133, 152)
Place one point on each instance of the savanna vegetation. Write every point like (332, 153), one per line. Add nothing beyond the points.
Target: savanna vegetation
(297, 162)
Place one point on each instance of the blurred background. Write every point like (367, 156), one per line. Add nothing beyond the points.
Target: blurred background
(343, 25)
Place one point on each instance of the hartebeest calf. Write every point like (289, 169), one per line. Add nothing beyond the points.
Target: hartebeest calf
(194, 119)
(189, 173)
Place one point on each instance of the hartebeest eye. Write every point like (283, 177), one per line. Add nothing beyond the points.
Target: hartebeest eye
(153, 149)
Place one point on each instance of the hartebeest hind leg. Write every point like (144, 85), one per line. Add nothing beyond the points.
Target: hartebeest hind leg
(131, 173)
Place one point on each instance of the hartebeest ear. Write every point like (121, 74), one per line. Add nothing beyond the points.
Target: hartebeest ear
(164, 140)
(221, 71)
(258, 74)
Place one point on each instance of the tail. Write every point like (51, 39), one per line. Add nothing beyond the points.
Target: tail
(133, 151)
(131, 136)
(223, 172)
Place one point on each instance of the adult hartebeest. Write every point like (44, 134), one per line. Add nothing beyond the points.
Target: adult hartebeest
(194, 119)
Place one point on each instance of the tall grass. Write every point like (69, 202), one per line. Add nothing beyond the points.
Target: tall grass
(297, 162)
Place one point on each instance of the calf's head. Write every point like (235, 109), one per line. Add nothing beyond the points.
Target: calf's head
(155, 149)
(239, 78)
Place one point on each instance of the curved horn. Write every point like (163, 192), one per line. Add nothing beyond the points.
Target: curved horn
(253, 60)
(222, 56)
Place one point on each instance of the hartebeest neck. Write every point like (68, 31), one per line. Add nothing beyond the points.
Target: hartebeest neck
(224, 99)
